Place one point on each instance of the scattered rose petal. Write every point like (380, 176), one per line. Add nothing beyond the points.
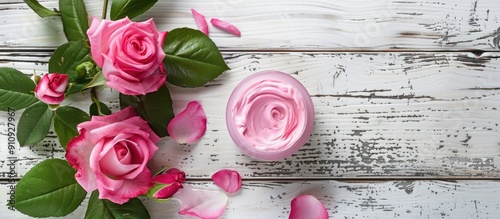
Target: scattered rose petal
(229, 180)
(204, 204)
(307, 207)
(223, 25)
(190, 125)
(200, 21)
(168, 183)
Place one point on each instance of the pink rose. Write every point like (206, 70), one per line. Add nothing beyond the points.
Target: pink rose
(168, 183)
(110, 154)
(50, 89)
(129, 53)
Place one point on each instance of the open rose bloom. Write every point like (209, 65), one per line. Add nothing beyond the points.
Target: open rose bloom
(129, 53)
(110, 154)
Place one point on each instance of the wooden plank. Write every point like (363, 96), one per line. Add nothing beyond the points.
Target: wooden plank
(381, 115)
(309, 25)
(393, 199)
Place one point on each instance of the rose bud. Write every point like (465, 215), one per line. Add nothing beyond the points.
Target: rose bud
(50, 89)
(167, 184)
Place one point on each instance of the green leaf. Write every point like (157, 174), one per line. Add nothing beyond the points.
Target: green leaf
(155, 107)
(66, 59)
(16, 89)
(49, 189)
(40, 9)
(97, 80)
(99, 110)
(66, 119)
(34, 124)
(192, 58)
(74, 18)
(102, 208)
(130, 8)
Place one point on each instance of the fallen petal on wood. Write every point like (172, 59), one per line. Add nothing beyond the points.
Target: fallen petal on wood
(200, 21)
(189, 125)
(226, 26)
(307, 207)
(204, 204)
(229, 180)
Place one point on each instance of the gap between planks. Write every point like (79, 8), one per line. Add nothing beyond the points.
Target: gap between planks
(338, 179)
(476, 52)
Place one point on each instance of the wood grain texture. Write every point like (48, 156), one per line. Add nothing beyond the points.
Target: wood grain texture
(285, 24)
(378, 115)
(392, 199)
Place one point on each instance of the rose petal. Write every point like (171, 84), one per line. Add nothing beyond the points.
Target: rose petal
(130, 188)
(78, 155)
(229, 180)
(190, 125)
(200, 21)
(223, 25)
(116, 80)
(307, 207)
(201, 203)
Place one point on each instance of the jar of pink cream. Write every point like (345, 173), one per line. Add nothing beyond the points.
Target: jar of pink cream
(270, 115)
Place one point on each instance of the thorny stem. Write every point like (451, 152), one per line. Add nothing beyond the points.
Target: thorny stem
(104, 9)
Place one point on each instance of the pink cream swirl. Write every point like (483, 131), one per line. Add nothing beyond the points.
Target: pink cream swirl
(270, 115)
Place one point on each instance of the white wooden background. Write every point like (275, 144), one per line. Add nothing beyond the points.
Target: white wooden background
(406, 95)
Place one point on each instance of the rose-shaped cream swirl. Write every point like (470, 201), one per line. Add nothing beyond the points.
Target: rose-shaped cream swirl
(270, 115)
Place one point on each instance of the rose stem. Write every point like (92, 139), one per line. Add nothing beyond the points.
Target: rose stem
(93, 97)
(104, 9)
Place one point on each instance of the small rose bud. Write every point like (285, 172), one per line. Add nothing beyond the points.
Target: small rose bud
(82, 70)
(50, 89)
(167, 184)
(36, 78)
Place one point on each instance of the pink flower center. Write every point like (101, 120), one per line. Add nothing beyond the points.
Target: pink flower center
(122, 154)
(136, 44)
(118, 161)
